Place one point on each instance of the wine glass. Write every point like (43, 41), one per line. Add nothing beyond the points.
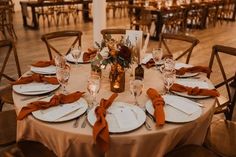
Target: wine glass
(136, 87)
(93, 86)
(157, 55)
(63, 75)
(76, 53)
(169, 79)
(60, 61)
(169, 64)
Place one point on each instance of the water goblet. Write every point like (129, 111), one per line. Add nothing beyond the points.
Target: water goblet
(93, 86)
(76, 53)
(169, 77)
(157, 55)
(60, 61)
(63, 75)
(136, 87)
(169, 64)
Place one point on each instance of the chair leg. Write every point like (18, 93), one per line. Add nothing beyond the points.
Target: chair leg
(1, 104)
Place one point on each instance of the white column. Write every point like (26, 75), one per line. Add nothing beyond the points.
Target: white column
(99, 19)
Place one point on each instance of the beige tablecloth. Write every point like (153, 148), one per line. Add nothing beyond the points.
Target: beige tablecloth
(67, 141)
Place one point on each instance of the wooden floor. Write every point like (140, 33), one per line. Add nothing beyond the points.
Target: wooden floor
(30, 47)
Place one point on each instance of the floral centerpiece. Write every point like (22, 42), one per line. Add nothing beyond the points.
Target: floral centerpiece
(118, 55)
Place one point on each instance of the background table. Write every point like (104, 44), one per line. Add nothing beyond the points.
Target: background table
(67, 141)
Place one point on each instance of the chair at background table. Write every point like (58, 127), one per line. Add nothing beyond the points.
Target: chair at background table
(6, 21)
(7, 47)
(50, 40)
(112, 31)
(174, 20)
(224, 105)
(167, 39)
(143, 21)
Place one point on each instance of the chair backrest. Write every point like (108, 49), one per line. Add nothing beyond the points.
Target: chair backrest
(111, 31)
(49, 37)
(228, 106)
(7, 47)
(165, 39)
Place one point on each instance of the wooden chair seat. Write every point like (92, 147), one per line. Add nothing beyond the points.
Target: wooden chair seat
(221, 138)
(8, 127)
(28, 149)
(191, 151)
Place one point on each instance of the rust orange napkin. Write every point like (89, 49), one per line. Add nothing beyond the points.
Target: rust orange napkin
(87, 56)
(194, 69)
(54, 101)
(158, 104)
(43, 63)
(150, 63)
(36, 78)
(100, 128)
(194, 91)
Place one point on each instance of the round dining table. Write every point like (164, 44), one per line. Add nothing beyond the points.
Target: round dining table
(68, 141)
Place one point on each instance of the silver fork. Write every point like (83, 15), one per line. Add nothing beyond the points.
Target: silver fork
(83, 125)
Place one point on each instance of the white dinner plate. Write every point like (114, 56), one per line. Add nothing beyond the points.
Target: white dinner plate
(34, 88)
(181, 65)
(44, 70)
(121, 117)
(178, 109)
(63, 112)
(193, 83)
(70, 58)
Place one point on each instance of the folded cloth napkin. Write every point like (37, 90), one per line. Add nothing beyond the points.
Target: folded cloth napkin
(100, 128)
(43, 63)
(36, 78)
(54, 101)
(87, 56)
(158, 104)
(194, 91)
(150, 63)
(194, 69)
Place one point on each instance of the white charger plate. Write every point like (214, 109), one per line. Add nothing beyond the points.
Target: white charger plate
(113, 124)
(81, 103)
(173, 114)
(181, 65)
(193, 83)
(44, 70)
(34, 88)
(70, 58)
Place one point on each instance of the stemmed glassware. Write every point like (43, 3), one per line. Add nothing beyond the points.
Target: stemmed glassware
(63, 75)
(169, 73)
(136, 87)
(157, 55)
(93, 86)
(60, 61)
(76, 53)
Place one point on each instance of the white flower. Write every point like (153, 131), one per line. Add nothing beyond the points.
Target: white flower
(104, 52)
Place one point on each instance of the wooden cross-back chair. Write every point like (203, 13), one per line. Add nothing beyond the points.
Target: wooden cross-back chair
(7, 47)
(164, 37)
(6, 21)
(225, 107)
(111, 31)
(47, 38)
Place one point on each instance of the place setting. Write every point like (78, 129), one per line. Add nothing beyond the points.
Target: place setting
(77, 56)
(44, 67)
